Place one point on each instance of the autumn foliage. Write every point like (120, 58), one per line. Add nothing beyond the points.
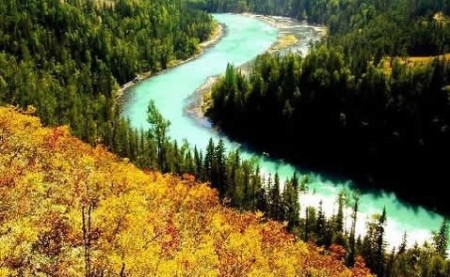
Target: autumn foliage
(67, 209)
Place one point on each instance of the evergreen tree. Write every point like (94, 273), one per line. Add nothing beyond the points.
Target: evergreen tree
(351, 240)
(158, 131)
(220, 168)
(189, 163)
(339, 219)
(234, 191)
(291, 204)
(373, 245)
(310, 223)
(209, 162)
(198, 161)
(262, 201)
(256, 187)
(380, 245)
(321, 225)
(248, 191)
(402, 247)
(275, 199)
(440, 239)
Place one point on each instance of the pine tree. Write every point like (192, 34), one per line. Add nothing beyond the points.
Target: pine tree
(339, 219)
(373, 246)
(208, 166)
(189, 163)
(220, 168)
(380, 245)
(351, 240)
(233, 191)
(198, 162)
(440, 239)
(246, 184)
(275, 201)
(402, 247)
(310, 222)
(261, 202)
(292, 206)
(158, 131)
(256, 186)
(295, 182)
(321, 225)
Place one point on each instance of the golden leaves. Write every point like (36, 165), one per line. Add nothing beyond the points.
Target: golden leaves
(64, 204)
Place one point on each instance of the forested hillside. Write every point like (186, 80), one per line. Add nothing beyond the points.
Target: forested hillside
(356, 105)
(315, 111)
(68, 58)
(68, 209)
(343, 12)
(371, 28)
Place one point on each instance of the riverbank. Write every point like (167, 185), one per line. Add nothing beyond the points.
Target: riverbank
(284, 40)
(214, 38)
(200, 100)
(293, 36)
(291, 33)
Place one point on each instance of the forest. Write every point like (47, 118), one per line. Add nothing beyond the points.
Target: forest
(379, 128)
(345, 13)
(359, 111)
(68, 208)
(240, 184)
(69, 58)
(416, 27)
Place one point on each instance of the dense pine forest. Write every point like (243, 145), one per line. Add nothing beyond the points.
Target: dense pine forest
(362, 106)
(357, 105)
(68, 58)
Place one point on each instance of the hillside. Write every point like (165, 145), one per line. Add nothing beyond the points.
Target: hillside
(68, 58)
(68, 209)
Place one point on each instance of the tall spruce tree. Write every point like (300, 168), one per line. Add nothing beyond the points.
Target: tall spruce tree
(440, 239)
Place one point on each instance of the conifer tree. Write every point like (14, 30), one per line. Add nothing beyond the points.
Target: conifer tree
(158, 131)
(440, 239)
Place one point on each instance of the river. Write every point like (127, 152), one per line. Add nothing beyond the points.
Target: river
(246, 37)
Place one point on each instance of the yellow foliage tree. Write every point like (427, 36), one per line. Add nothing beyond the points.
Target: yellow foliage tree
(67, 209)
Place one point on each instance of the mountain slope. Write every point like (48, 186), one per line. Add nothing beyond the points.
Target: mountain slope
(67, 209)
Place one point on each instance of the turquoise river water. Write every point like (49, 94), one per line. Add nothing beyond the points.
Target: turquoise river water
(245, 38)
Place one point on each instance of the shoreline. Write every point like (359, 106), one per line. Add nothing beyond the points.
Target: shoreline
(285, 40)
(196, 106)
(216, 35)
(196, 102)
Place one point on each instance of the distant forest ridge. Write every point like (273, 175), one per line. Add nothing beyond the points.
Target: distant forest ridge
(324, 11)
